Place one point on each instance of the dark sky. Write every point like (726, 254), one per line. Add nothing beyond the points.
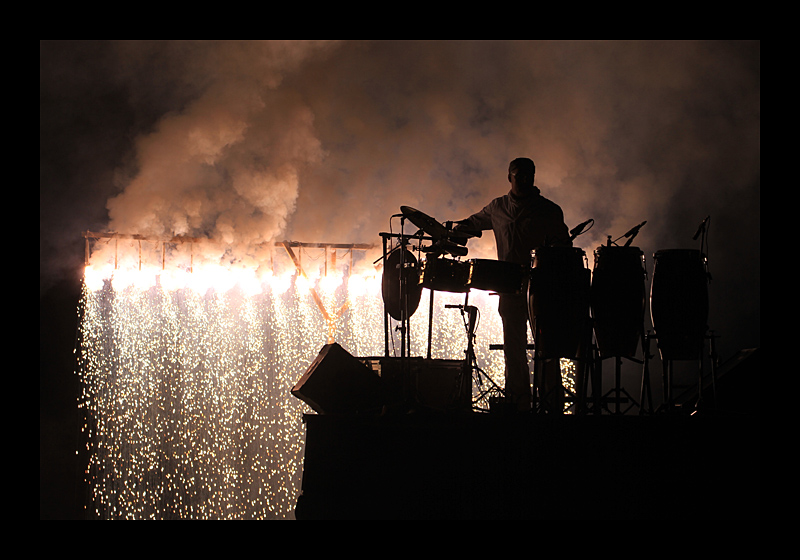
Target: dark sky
(324, 141)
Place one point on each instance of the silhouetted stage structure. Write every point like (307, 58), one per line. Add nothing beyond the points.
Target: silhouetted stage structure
(471, 465)
(406, 437)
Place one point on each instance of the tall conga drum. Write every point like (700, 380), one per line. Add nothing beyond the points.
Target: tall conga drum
(679, 303)
(618, 297)
(558, 301)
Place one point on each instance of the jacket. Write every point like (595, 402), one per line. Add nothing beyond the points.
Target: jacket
(521, 225)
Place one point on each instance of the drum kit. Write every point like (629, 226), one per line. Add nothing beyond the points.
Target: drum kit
(567, 302)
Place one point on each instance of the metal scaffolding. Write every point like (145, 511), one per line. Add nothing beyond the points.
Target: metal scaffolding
(293, 250)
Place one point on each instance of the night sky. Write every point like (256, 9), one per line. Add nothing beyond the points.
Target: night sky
(249, 142)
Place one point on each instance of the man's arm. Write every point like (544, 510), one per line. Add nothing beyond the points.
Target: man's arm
(479, 221)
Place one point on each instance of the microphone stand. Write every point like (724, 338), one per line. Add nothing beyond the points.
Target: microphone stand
(463, 387)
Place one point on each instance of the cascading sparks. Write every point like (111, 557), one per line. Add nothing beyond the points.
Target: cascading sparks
(186, 382)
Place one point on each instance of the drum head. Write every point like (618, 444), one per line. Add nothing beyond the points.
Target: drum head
(558, 258)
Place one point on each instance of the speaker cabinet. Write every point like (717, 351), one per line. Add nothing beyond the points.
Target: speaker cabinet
(338, 383)
(431, 384)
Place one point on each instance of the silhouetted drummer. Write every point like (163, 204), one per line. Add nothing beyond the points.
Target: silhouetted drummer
(522, 220)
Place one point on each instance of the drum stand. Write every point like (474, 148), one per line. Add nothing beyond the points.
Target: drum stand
(714, 363)
(618, 390)
(541, 403)
(586, 371)
(670, 400)
(620, 394)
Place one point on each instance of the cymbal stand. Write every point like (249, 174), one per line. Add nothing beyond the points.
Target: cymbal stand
(409, 386)
(470, 364)
(402, 242)
(404, 323)
(385, 310)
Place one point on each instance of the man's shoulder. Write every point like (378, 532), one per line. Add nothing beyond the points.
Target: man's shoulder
(498, 202)
(547, 203)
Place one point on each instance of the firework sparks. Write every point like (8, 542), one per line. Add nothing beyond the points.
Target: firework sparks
(186, 380)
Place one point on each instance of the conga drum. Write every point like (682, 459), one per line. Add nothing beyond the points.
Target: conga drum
(558, 301)
(502, 277)
(679, 303)
(618, 297)
(445, 275)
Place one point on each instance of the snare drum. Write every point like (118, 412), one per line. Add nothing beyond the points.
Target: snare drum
(445, 275)
(679, 303)
(618, 299)
(502, 277)
(558, 301)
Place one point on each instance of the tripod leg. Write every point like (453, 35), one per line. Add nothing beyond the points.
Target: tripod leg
(713, 355)
(597, 388)
(583, 369)
(551, 389)
(536, 397)
(617, 382)
(645, 392)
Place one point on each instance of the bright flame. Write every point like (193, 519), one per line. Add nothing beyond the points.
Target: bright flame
(94, 278)
(174, 279)
(330, 282)
(303, 284)
(358, 285)
(280, 284)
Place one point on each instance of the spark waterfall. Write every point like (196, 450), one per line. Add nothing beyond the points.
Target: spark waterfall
(186, 388)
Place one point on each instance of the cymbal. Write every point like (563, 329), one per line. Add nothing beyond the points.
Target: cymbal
(430, 226)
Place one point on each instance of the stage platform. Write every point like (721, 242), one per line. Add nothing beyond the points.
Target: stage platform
(495, 466)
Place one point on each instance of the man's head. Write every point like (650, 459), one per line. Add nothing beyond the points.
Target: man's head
(520, 174)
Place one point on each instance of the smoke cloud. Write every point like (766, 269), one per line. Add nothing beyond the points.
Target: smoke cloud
(252, 142)
(321, 141)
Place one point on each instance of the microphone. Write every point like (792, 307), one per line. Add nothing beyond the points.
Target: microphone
(700, 228)
(635, 230)
(577, 230)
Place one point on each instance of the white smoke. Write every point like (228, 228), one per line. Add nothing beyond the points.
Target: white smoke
(326, 141)
(323, 142)
(225, 167)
